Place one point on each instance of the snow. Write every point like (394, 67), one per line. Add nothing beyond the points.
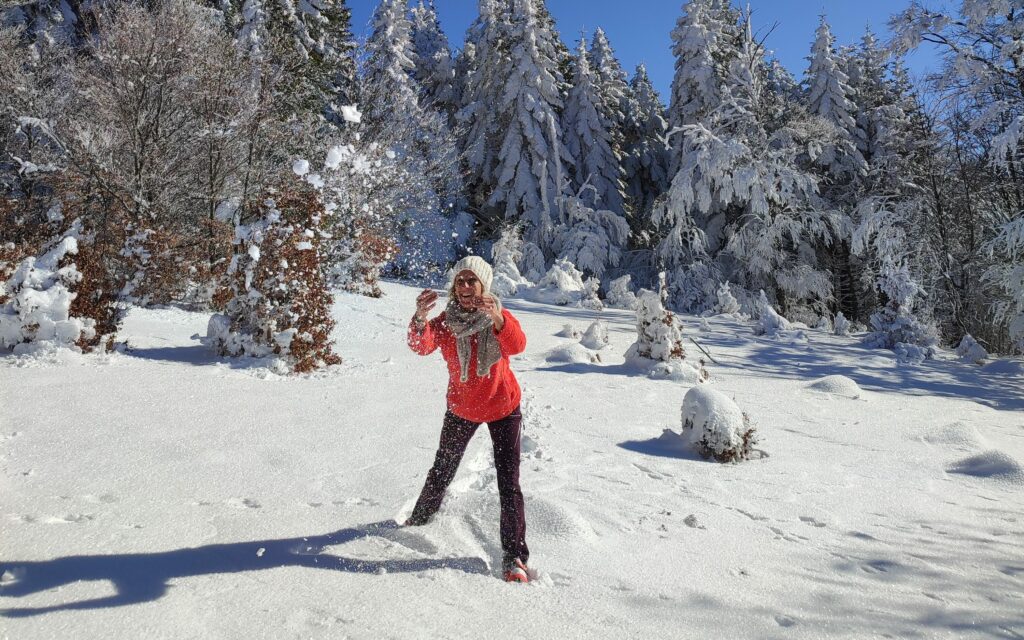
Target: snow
(136, 495)
(350, 113)
(836, 385)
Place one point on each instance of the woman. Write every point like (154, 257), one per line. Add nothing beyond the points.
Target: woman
(476, 336)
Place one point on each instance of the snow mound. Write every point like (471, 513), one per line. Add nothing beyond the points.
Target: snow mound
(714, 426)
(836, 385)
(596, 336)
(573, 353)
(553, 521)
(970, 351)
(993, 464)
(568, 331)
(1004, 367)
(562, 285)
(956, 435)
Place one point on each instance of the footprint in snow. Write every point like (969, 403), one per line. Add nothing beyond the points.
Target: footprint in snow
(814, 522)
(243, 503)
(785, 621)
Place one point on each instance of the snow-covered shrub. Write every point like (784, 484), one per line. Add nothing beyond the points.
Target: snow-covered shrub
(596, 336)
(562, 284)
(619, 294)
(659, 343)
(591, 299)
(727, 303)
(970, 351)
(37, 301)
(895, 326)
(506, 253)
(769, 322)
(281, 304)
(715, 426)
(841, 326)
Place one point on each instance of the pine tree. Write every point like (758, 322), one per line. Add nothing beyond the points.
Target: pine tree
(435, 70)
(528, 170)
(645, 160)
(614, 102)
(703, 44)
(828, 96)
(312, 43)
(588, 140)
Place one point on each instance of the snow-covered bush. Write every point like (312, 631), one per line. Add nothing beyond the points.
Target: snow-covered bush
(591, 300)
(659, 343)
(895, 326)
(35, 301)
(841, 326)
(568, 331)
(619, 294)
(769, 322)
(970, 351)
(573, 353)
(506, 253)
(727, 303)
(280, 304)
(596, 336)
(562, 284)
(715, 426)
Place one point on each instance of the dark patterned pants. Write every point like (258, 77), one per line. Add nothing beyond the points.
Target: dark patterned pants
(505, 437)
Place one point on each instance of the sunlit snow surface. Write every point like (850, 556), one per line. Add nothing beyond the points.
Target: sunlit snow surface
(169, 493)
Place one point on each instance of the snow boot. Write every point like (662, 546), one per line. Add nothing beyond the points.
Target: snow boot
(515, 571)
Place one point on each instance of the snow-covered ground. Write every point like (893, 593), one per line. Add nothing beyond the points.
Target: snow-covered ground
(166, 493)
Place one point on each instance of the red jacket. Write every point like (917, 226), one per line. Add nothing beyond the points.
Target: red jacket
(485, 399)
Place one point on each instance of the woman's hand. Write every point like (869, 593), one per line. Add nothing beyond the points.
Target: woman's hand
(487, 304)
(424, 303)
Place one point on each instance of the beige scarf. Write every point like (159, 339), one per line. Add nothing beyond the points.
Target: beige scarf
(464, 325)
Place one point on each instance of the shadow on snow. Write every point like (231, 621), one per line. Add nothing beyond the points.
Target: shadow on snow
(144, 577)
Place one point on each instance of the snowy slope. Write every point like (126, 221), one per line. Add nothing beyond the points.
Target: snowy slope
(166, 493)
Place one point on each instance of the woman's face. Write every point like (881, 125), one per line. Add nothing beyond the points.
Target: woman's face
(468, 289)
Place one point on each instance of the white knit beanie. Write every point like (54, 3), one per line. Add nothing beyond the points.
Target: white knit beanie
(478, 266)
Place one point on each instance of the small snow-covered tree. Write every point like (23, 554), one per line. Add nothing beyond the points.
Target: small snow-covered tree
(895, 326)
(280, 304)
(970, 351)
(620, 295)
(659, 342)
(506, 254)
(726, 301)
(841, 326)
(769, 322)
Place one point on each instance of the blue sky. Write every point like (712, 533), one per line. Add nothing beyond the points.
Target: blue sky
(639, 29)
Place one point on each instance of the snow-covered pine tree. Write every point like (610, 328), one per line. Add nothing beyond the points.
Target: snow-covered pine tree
(435, 70)
(726, 301)
(588, 139)
(645, 155)
(829, 97)
(704, 45)
(528, 172)
(422, 181)
(280, 303)
(479, 82)
(614, 97)
(310, 42)
(659, 341)
(895, 326)
(741, 182)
